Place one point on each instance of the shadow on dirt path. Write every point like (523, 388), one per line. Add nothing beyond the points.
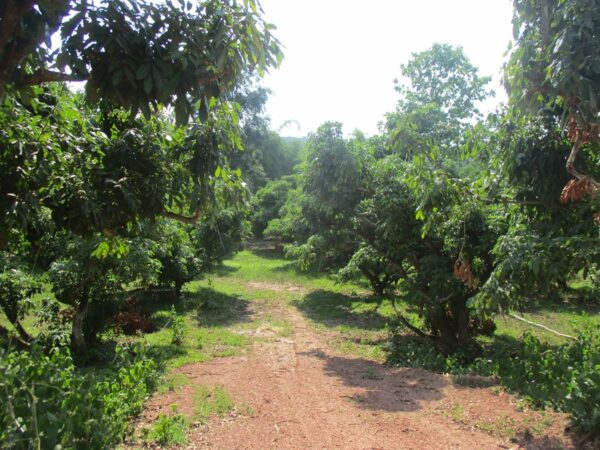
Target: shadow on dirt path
(298, 393)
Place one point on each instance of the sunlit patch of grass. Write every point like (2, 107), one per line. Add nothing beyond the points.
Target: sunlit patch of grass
(372, 351)
(457, 413)
(252, 266)
(566, 319)
(200, 344)
(504, 427)
(269, 324)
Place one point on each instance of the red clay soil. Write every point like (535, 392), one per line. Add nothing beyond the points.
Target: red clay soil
(306, 396)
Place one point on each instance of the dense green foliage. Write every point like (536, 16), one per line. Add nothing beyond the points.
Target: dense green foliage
(48, 401)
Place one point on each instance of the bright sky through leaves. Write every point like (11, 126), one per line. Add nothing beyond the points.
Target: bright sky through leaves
(343, 55)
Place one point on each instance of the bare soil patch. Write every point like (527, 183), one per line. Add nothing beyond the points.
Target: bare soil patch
(275, 287)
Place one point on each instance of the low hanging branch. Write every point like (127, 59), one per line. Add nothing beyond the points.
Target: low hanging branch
(407, 324)
(190, 220)
(15, 340)
(49, 76)
(543, 327)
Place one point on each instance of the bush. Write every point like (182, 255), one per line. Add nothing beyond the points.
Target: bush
(48, 402)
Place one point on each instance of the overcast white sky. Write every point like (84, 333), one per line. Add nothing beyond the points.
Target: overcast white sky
(341, 56)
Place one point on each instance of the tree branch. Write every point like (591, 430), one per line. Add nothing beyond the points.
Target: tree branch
(49, 76)
(20, 344)
(543, 327)
(571, 164)
(181, 218)
(409, 325)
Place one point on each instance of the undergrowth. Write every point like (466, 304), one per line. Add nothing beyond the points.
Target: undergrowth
(168, 430)
(49, 403)
(563, 377)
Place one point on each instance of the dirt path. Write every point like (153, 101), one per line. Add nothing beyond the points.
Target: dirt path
(303, 395)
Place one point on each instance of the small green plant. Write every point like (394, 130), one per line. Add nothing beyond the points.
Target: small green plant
(177, 327)
(168, 430)
(369, 374)
(211, 402)
(457, 413)
(245, 410)
(359, 398)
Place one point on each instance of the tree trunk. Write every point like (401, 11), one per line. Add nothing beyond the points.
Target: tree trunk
(376, 284)
(13, 340)
(13, 318)
(78, 341)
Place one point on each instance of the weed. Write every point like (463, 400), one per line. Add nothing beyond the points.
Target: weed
(168, 430)
(172, 382)
(177, 327)
(504, 427)
(358, 398)
(245, 410)
(496, 390)
(457, 413)
(369, 374)
(211, 402)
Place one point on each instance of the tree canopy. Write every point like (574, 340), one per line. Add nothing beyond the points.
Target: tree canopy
(137, 54)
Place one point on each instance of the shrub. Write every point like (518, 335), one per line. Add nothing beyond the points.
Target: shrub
(49, 402)
(178, 327)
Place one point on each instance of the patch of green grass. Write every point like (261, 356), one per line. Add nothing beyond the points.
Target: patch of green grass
(564, 318)
(457, 413)
(270, 267)
(210, 402)
(199, 345)
(369, 374)
(504, 427)
(278, 326)
(375, 352)
(168, 430)
(172, 382)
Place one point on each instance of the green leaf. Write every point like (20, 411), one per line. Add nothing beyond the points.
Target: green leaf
(143, 71)
(148, 85)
